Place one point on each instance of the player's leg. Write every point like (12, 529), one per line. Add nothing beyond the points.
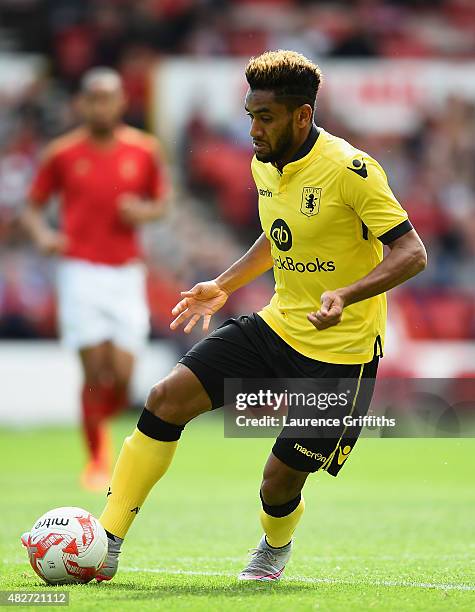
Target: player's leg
(128, 317)
(293, 459)
(121, 363)
(148, 452)
(107, 373)
(282, 509)
(282, 502)
(193, 387)
(83, 294)
(97, 377)
(109, 303)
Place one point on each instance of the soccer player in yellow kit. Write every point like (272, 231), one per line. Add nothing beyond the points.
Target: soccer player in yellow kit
(326, 211)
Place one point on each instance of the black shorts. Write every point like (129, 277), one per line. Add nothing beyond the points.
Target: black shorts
(247, 348)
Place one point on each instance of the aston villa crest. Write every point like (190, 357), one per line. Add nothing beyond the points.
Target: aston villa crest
(310, 204)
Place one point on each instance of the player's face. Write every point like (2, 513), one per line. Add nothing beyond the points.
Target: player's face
(102, 108)
(272, 126)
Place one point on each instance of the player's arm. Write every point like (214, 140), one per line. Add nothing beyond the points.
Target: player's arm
(252, 264)
(137, 211)
(204, 299)
(407, 257)
(364, 187)
(47, 240)
(45, 183)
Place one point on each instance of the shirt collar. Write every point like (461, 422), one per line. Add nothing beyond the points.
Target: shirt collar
(307, 145)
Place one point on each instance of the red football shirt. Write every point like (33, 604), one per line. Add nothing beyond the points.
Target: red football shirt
(90, 179)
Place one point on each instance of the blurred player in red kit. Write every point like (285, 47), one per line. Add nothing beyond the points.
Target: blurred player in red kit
(110, 180)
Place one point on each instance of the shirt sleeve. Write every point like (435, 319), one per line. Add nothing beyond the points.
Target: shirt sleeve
(364, 187)
(158, 184)
(47, 180)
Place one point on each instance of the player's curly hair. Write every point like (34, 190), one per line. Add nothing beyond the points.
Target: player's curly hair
(290, 75)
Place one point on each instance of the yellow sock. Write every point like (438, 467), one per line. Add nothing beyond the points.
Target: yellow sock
(141, 463)
(279, 530)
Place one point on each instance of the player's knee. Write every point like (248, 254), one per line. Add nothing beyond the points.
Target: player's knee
(156, 398)
(278, 489)
(121, 377)
(162, 402)
(121, 384)
(93, 379)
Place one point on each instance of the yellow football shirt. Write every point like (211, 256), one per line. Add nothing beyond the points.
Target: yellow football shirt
(326, 217)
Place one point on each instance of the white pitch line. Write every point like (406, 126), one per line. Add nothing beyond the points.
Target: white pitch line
(315, 558)
(334, 558)
(384, 583)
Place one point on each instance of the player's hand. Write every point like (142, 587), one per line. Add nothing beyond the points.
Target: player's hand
(133, 210)
(331, 311)
(51, 242)
(203, 300)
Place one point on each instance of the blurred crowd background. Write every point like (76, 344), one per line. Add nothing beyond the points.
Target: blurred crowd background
(431, 167)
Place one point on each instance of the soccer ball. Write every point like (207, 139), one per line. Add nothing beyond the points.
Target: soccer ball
(66, 545)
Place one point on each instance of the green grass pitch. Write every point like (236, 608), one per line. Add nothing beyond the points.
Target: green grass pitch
(395, 531)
